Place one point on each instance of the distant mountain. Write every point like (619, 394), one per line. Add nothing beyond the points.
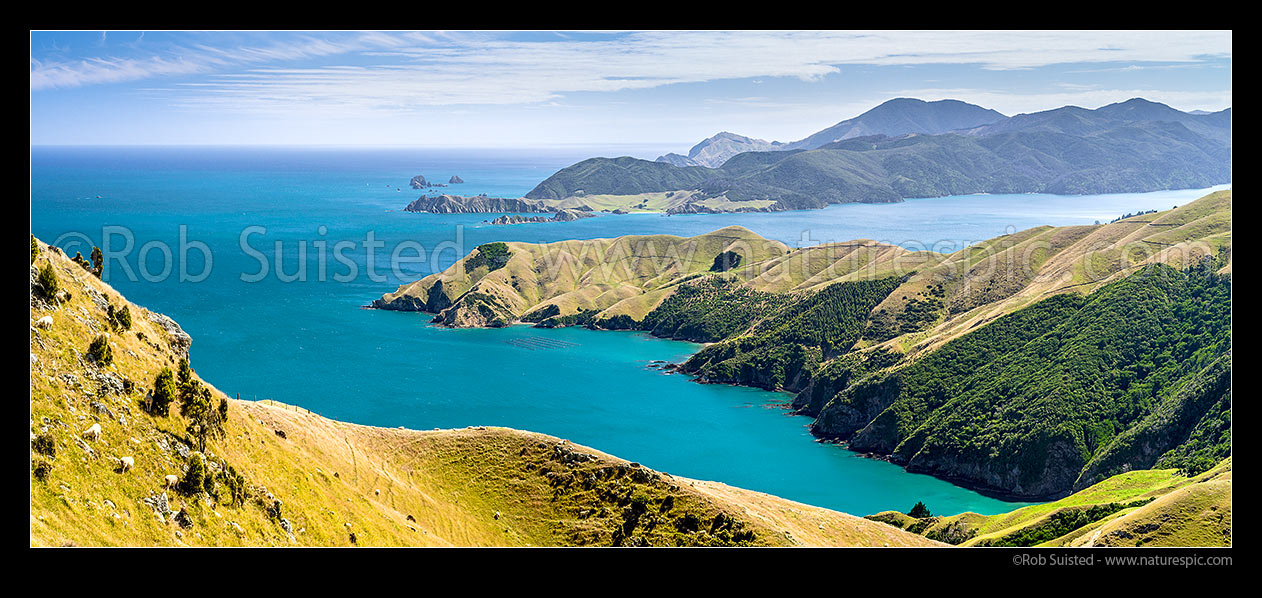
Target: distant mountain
(1131, 146)
(899, 116)
(1073, 120)
(903, 116)
(713, 152)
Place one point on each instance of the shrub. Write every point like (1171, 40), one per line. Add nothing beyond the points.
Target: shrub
(48, 284)
(121, 318)
(920, 511)
(639, 502)
(78, 259)
(234, 484)
(34, 249)
(41, 468)
(208, 484)
(194, 480)
(45, 445)
(185, 374)
(101, 351)
(492, 255)
(726, 261)
(98, 261)
(205, 420)
(164, 392)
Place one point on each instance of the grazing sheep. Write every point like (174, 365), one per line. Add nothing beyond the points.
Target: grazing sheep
(44, 322)
(93, 433)
(126, 463)
(172, 480)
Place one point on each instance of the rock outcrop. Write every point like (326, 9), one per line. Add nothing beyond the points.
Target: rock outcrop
(419, 182)
(455, 204)
(180, 340)
(564, 215)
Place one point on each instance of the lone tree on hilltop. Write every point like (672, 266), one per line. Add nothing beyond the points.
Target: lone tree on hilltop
(920, 511)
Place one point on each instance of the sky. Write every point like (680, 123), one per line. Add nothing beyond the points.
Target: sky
(659, 89)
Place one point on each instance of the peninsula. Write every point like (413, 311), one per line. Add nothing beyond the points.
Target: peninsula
(892, 351)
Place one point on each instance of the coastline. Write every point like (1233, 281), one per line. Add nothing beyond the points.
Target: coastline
(672, 368)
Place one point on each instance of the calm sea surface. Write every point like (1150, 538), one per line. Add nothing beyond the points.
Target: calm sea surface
(275, 310)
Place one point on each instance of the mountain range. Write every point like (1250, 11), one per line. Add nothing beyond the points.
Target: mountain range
(899, 116)
(1132, 146)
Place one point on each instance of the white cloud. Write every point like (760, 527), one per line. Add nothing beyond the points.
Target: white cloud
(195, 58)
(436, 68)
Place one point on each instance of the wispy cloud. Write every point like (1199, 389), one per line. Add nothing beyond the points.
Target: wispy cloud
(398, 71)
(191, 59)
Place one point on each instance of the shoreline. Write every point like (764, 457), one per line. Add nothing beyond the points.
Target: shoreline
(669, 368)
(1204, 190)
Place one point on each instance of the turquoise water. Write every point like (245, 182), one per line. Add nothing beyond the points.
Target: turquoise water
(307, 342)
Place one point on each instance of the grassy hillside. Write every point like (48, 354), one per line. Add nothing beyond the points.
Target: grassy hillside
(607, 276)
(1159, 507)
(1032, 364)
(1023, 404)
(282, 476)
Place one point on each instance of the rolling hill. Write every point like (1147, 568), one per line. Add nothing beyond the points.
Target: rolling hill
(278, 475)
(1030, 365)
(1160, 507)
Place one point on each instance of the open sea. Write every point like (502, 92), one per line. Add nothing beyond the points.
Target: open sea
(266, 256)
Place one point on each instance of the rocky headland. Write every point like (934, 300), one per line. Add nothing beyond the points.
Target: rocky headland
(455, 204)
(561, 216)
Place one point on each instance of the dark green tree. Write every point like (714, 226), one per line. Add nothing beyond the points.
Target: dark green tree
(45, 445)
(164, 392)
(78, 259)
(185, 373)
(194, 480)
(101, 351)
(920, 511)
(48, 283)
(120, 318)
(98, 261)
(204, 420)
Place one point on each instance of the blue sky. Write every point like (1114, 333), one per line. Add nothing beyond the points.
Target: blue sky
(664, 89)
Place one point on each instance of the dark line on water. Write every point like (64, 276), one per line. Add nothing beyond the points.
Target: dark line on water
(539, 344)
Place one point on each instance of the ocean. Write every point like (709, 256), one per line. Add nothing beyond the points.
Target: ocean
(266, 257)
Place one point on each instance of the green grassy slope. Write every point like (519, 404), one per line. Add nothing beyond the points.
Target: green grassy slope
(312, 481)
(574, 276)
(1159, 507)
(1021, 405)
(1031, 364)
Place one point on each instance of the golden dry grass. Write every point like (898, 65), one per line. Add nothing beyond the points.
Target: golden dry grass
(387, 486)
